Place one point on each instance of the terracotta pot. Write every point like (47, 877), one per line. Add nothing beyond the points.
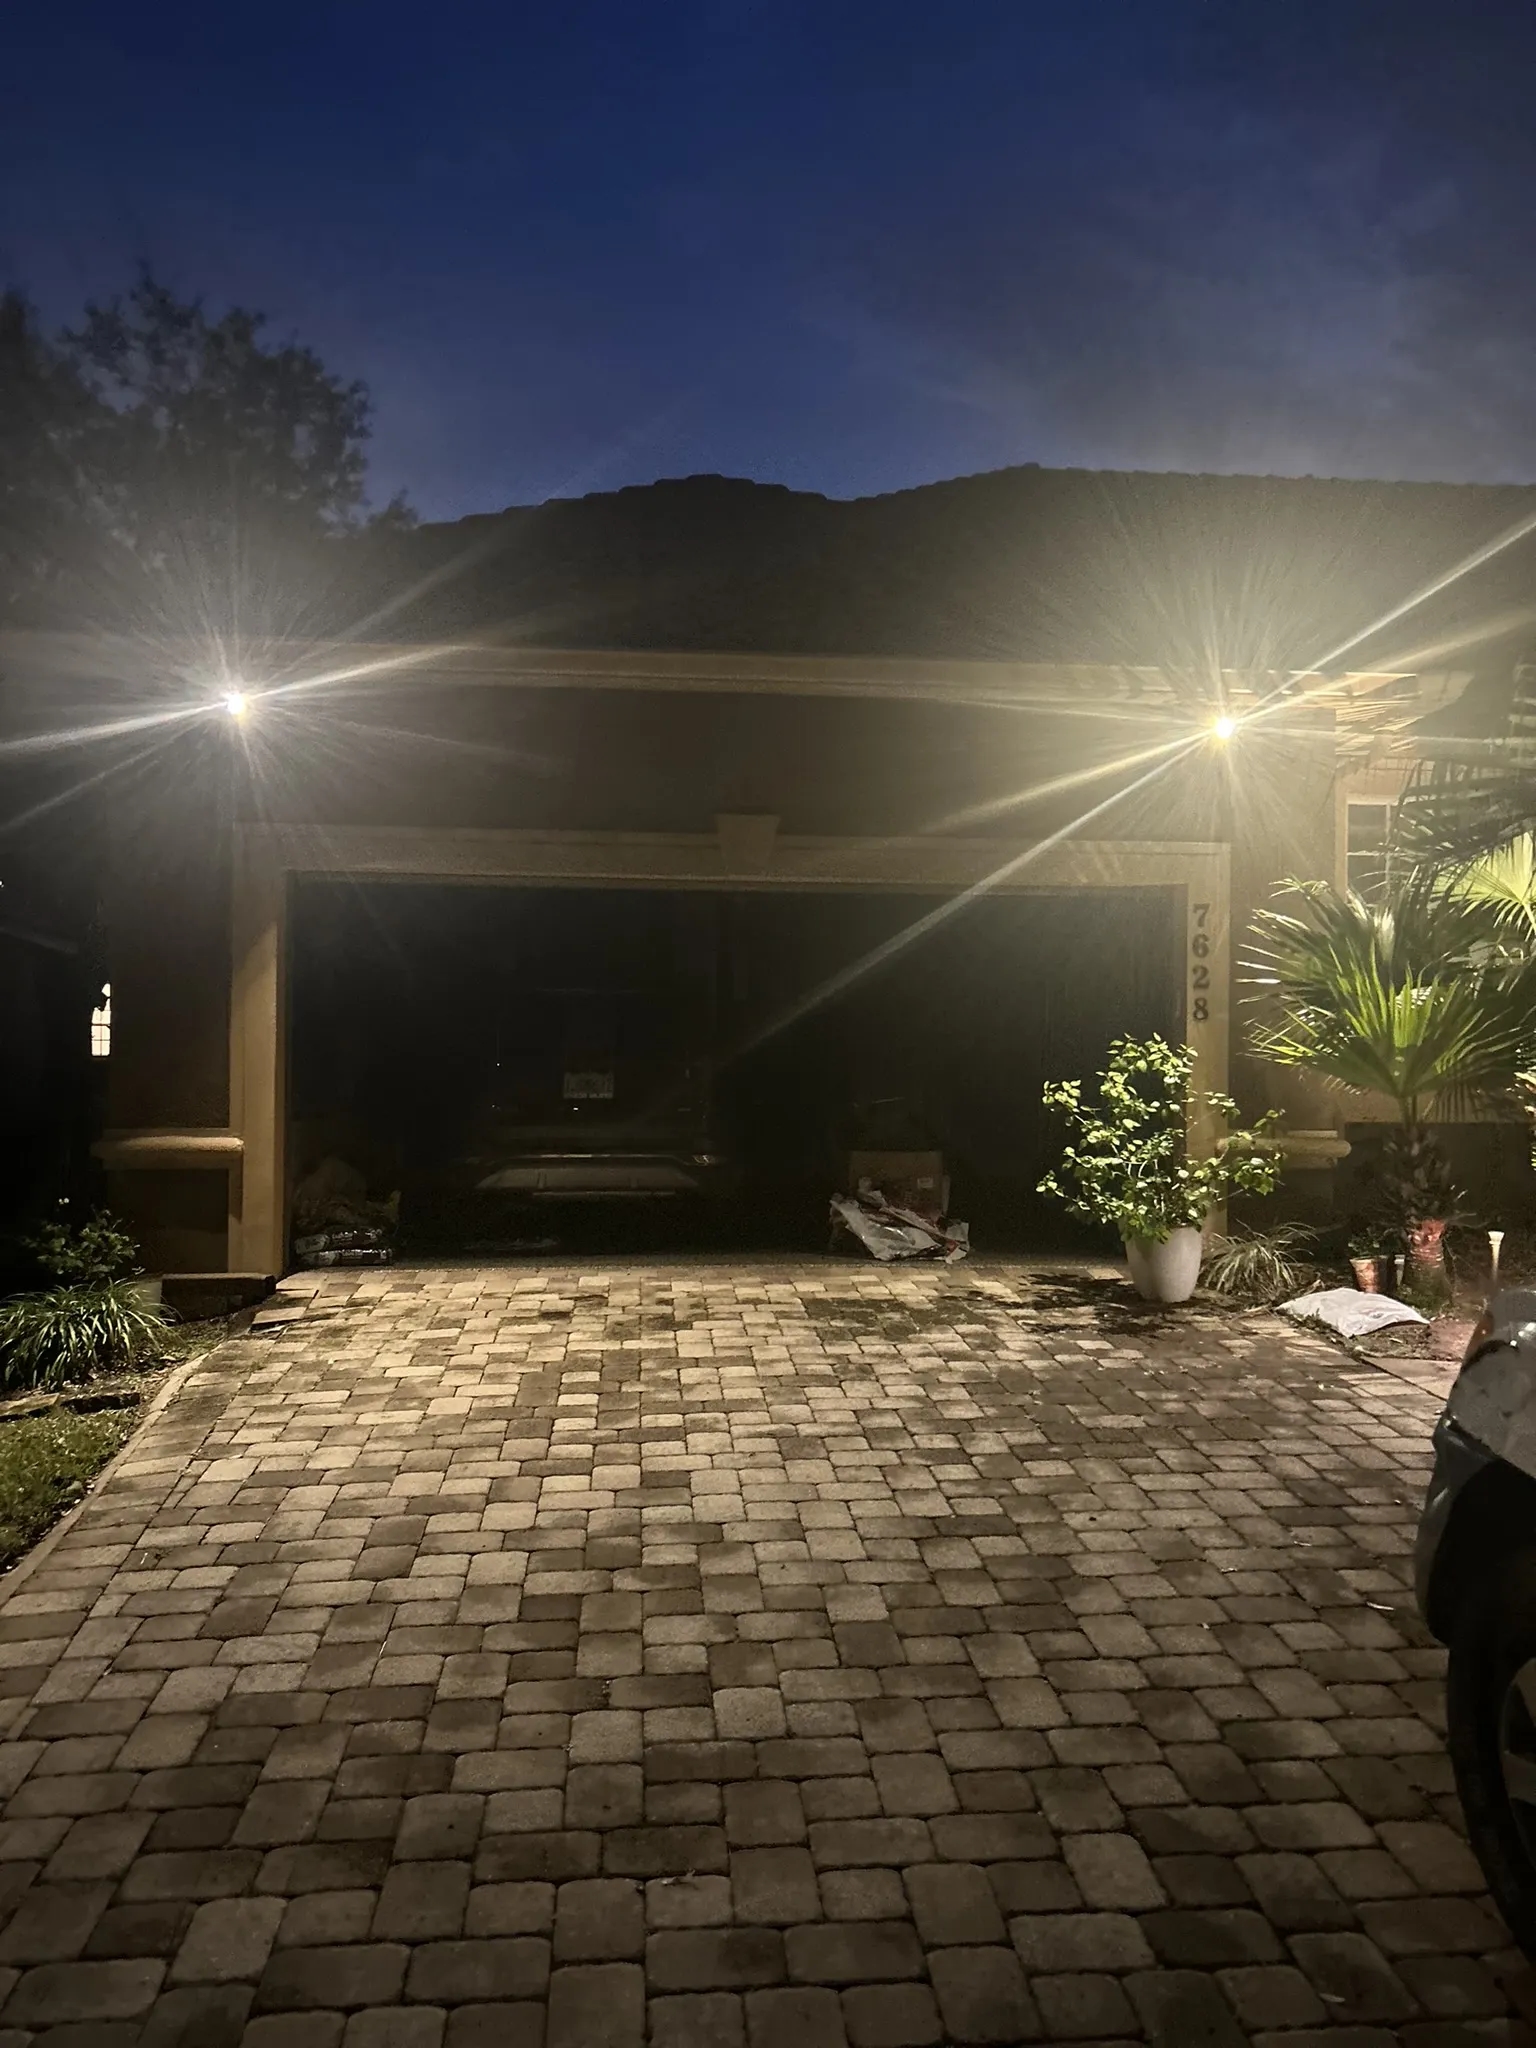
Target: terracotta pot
(1367, 1274)
(1165, 1269)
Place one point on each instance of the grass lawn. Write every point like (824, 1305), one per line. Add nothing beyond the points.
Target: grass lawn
(48, 1459)
(46, 1463)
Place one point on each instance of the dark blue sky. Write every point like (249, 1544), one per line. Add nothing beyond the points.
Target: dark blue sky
(847, 245)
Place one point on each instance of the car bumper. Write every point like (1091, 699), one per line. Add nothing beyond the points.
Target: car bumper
(604, 1176)
(1458, 1459)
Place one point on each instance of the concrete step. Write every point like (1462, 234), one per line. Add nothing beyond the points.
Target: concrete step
(194, 1296)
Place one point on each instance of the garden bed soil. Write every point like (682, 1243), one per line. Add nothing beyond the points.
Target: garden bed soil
(1444, 1338)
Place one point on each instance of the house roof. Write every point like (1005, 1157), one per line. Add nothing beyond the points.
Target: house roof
(1082, 567)
(1111, 581)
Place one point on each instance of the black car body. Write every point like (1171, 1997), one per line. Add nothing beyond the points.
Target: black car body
(1475, 1567)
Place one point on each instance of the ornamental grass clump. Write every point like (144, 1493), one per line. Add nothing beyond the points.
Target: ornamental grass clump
(1261, 1265)
(1130, 1166)
(68, 1334)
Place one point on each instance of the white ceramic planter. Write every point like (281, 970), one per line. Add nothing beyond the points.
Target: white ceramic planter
(1165, 1269)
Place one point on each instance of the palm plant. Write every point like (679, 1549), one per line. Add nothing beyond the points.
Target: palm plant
(1421, 998)
(1406, 998)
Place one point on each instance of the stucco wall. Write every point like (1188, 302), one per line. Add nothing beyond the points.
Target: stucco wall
(168, 959)
(643, 761)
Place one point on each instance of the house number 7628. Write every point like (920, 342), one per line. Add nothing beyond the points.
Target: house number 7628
(1199, 973)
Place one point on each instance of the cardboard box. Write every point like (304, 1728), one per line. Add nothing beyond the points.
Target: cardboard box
(910, 1180)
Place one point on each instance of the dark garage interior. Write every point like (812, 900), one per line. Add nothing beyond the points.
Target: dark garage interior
(617, 1069)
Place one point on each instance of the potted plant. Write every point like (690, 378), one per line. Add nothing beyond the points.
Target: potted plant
(1129, 1164)
(1365, 1259)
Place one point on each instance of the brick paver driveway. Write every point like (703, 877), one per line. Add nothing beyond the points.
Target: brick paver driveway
(789, 1654)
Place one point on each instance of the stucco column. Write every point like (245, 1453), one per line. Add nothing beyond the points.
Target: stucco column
(1207, 967)
(1207, 975)
(258, 1057)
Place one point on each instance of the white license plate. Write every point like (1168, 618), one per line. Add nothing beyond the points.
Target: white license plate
(588, 1088)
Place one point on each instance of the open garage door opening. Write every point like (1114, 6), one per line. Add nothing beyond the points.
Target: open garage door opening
(609, 1070)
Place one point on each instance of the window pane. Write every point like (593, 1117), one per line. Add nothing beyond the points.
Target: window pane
(101, 1026)
(1368, 826)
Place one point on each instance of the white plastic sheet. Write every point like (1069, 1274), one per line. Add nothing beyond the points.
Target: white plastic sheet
(1350, 1312)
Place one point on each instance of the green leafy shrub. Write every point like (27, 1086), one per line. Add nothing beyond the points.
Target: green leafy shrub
(1130, 1165)
(68, 1333)
(90, 1254)
(1261, 1265)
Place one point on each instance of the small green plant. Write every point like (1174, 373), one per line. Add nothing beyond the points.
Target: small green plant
(90, 1254)
(67, 1334)
(1373, 1237)
(1261, 1265)
(1130, 1165)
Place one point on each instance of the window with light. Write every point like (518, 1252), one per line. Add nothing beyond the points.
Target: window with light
(1368, 828)
(101, 1026)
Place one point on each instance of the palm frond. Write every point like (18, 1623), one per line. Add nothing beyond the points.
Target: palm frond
(1502, 884)
(1475, 797)
(1456, 812)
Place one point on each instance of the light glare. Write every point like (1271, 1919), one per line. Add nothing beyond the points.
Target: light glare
(236, 703)
(1223, 728)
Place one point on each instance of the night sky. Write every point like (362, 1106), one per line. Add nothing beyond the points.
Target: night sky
(847, 245)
